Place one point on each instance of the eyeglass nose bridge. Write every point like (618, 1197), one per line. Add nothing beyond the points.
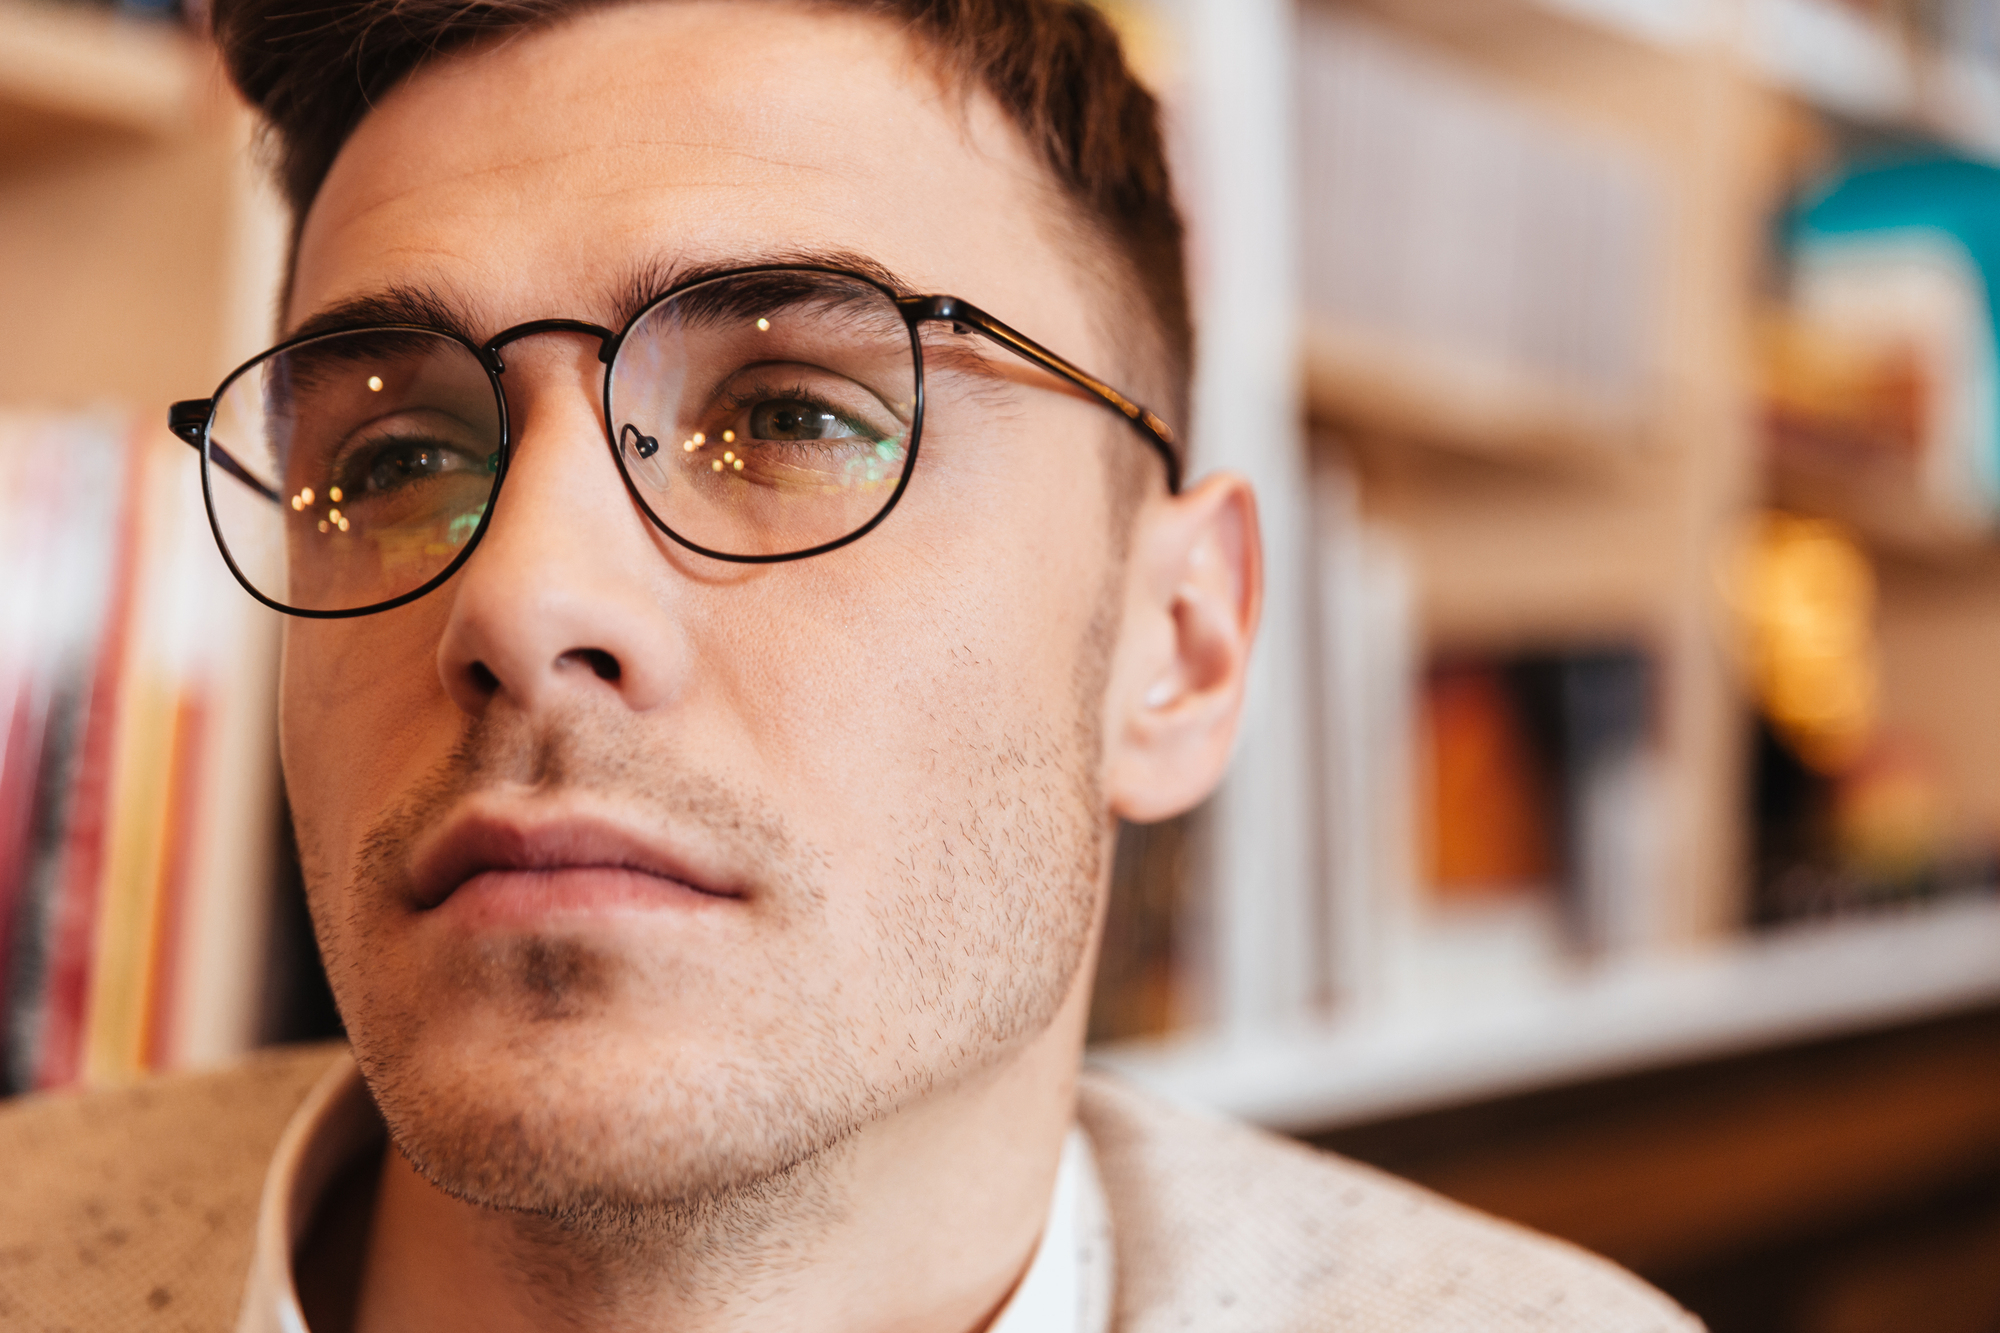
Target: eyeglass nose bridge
(607, 340)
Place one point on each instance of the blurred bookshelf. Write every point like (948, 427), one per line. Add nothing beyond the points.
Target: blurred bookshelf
(1384, 388)
(1596, 426)
(1518, 380)
(1743, 995)
(1630, 486)
(138, 778)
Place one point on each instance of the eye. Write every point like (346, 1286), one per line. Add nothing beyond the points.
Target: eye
(397, 463)
(794, 419)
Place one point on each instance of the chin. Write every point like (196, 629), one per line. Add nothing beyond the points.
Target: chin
(603, 1101)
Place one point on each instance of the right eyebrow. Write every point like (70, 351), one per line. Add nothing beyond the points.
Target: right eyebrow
(745, 296)
(400, 304)
(647, 282)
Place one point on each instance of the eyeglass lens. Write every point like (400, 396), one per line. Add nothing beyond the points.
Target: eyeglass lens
(766, 414)
(374, 454)
(755, 416)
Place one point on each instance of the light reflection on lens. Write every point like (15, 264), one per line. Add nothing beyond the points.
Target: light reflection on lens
(814, 406)
(379, 470)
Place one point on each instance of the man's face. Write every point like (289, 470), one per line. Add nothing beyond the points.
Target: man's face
(640, 874)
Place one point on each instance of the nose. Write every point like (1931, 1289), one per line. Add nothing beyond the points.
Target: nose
(567, 597)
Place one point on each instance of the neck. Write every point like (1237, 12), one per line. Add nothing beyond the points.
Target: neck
(921, 1222)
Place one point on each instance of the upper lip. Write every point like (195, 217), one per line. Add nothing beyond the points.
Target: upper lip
(476, 841)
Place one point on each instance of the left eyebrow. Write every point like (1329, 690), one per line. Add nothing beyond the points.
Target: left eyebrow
(400, 304)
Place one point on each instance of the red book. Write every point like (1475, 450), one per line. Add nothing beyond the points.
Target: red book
(73, 928)
(21, 733)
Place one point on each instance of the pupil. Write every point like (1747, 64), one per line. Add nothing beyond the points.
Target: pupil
(404, 464)
(791, 421)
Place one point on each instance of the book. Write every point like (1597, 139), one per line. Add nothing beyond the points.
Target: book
(67, 513)
(138, 789)
(156, 770)
(1368, 655)
(71, 922)
(1491, 816)
(1448, 218)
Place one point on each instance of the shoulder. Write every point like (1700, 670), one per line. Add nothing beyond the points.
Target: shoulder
(134, 1208)
(1219, 1226)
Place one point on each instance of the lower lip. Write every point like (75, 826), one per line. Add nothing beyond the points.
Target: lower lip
(513, 898)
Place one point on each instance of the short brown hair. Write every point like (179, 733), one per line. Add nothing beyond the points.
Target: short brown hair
(1054, 66)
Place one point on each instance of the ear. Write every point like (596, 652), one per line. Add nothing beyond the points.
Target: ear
(1194, 590)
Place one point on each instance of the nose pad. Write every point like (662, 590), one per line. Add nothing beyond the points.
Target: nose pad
(640, 443)
(642, 456)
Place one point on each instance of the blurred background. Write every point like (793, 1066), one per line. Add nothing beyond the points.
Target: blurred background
(1614, 835)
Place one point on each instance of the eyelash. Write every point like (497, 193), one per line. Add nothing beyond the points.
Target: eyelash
(350, 466)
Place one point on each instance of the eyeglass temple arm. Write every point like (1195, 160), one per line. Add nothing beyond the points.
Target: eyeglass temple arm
(1157, 432)
(189, 420)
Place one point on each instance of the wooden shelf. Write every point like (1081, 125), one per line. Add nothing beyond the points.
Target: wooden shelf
(1823, 53)
(1742, 995)
(127, 185)
(1729, 1162)
(1881, 499)
(71, 75)
(1466, 404)
(1670, 23)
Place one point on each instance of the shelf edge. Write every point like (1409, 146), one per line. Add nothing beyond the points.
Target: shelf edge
(1457, 401)
(96, 71)
(1795, 985)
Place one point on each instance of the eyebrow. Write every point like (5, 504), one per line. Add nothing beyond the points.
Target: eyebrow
(648, 282)
(427, 307)
(439, 308)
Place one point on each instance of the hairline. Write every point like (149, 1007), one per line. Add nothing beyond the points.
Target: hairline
(1104, 270)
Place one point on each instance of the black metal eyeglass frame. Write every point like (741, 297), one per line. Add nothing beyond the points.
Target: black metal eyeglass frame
(193, 419)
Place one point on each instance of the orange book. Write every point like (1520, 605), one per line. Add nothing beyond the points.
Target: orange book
(1489, 812)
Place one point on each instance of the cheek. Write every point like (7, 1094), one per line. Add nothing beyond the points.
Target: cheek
(886, 680)
(358, 704)
(963, 615)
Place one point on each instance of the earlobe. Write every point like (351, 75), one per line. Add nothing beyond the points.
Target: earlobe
(1194, 594)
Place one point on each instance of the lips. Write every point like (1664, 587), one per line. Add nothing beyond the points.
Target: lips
(481, 845)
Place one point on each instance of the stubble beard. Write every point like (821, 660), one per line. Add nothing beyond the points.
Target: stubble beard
(978, 940)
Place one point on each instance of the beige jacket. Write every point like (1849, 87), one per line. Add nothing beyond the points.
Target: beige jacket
(134, 1210)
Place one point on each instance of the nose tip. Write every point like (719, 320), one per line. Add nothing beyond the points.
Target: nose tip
(492, 651)
(476, 686)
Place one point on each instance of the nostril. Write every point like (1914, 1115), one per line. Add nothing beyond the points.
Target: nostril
(483, 678)
(601, 663)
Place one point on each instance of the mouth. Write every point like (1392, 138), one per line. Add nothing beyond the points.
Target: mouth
(540, 863)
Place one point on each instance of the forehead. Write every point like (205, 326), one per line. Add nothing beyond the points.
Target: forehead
(530, 175)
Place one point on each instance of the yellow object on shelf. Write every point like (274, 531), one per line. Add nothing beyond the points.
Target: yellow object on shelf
(1806, 594)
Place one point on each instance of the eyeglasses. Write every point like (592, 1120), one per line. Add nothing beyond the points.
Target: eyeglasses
(764, 414)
